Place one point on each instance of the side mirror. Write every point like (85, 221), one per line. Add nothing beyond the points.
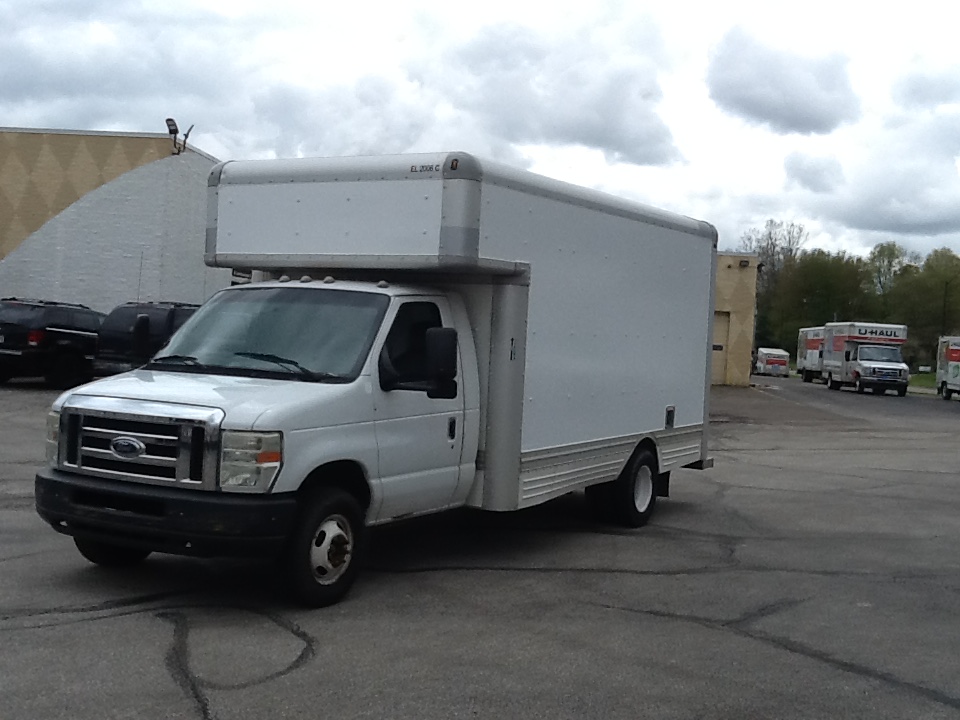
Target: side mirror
(141, 338)
(442, 363)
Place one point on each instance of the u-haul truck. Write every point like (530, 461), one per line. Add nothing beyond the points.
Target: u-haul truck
(865, 356)
(948, 366)
(773, 361)
(810, 353)
(430, 332)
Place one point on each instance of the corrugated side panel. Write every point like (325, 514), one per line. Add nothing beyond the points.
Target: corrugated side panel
(618, 323)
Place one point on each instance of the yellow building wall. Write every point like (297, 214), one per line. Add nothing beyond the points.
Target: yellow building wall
(42, 172)
(735, 300)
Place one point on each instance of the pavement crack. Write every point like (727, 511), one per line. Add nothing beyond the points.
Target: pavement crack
(177, 661)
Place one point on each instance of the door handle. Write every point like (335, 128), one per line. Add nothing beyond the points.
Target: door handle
(452, 428)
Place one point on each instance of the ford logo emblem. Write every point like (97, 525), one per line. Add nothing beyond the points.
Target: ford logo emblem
(127, 447)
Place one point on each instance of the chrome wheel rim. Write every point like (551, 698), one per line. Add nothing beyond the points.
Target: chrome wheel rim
(331, 550)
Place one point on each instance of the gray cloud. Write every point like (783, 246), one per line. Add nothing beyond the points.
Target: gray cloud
(369, 117)
(928, 90)
(786, 92)
(819, 175)
(573, 91)
(908, 185)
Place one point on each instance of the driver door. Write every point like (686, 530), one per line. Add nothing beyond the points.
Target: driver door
(419, 439)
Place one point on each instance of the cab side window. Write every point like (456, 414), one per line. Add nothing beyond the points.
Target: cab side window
(407, 340)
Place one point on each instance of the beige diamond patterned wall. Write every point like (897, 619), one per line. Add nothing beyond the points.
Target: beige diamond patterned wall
(733, 318)
(42, 172)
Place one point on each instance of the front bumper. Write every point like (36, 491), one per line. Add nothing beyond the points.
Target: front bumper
(890, 383)
(171, 520)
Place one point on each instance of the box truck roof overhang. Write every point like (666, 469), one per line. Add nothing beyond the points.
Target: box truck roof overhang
(336, 213)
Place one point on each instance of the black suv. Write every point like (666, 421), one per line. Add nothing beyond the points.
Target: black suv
(54, 340)
(118, 350)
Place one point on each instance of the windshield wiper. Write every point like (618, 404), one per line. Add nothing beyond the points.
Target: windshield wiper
(177, 359)
(280, 360)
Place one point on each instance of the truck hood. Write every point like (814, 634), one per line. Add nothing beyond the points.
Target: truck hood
(248, 403)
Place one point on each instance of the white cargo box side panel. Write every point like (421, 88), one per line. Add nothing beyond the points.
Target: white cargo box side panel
(335, 218)
(619, 317)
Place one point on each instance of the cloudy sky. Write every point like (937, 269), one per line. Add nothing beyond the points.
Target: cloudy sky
(841, 116)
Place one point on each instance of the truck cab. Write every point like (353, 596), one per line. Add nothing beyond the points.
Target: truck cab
(878, 368)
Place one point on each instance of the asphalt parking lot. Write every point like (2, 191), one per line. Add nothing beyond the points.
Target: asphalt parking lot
(813, 573)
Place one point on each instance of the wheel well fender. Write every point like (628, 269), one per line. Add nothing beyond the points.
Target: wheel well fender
(661, 480)
(348, 475)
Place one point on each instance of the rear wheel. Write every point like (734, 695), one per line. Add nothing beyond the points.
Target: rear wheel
(109, 555)
(832, 384)
(323, 557)
(807, 376)
(634, 492)
(945, 392)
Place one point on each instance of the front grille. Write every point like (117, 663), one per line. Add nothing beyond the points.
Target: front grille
(178, 451)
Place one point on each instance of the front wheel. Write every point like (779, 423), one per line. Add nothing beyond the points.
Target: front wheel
(323, 557)
(109, 555)
(860, 387)
(634, 492)
(902, 391)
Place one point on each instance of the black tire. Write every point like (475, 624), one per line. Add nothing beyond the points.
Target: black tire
(832, 384)
(860, 387)
(807, 376)
(634, 493)
(902, 392)
(945, 392)
(323, 557)
(109, 555)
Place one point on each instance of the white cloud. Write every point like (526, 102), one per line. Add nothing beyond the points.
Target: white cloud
(731, 112)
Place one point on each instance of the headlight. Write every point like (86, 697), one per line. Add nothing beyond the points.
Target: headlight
(249, 461)
(53, 438)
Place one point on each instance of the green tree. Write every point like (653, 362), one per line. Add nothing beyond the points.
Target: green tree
(776, 245)
(886, 260)
(818, 287)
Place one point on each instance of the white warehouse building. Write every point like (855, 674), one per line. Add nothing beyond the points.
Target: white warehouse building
(103, 218)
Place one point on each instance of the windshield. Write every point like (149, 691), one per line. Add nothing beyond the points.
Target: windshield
(880, 354)
(305, 333)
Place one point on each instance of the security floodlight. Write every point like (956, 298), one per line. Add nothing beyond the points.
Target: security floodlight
(174, 130)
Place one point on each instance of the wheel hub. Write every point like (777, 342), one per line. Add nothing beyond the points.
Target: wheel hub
(331, 549)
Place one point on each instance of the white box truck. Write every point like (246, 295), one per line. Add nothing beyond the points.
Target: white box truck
(865, 356)
(424, 332)
(948, 366)
(773, 361)
(810, 353)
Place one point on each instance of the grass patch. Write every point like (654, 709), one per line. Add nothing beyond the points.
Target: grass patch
(924, 380)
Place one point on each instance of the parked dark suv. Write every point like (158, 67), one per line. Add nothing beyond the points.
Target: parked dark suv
(118, 351)
(54, 340)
